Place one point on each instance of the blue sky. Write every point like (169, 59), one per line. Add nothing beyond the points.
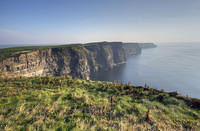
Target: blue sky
(79, 21)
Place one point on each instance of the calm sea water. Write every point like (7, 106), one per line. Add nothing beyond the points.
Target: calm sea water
(172, 67)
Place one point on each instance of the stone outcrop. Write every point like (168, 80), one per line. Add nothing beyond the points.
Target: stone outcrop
(147, 45)
(132, 49)
(76, 61)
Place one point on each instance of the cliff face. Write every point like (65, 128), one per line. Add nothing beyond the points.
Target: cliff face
(107, 55)
(147, 45)
(70, 61)
(132, 49)
(76, 61)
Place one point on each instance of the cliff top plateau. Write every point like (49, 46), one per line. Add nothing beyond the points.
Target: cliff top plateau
(14, 51)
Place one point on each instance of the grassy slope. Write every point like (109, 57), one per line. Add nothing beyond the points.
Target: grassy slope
(61, 103)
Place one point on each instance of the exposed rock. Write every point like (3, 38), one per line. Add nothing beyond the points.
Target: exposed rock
(132, 49)
(76, 61)
(147, 45)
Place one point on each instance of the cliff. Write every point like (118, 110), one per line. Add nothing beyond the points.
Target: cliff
(49, 62)
(68, 60)
(147, 45)
(132, 49)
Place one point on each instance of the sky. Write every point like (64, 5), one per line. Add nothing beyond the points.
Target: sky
(81, 21)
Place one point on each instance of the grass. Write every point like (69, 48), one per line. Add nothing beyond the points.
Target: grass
(63, 103)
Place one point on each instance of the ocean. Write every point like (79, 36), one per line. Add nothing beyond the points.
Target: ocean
(170, 66)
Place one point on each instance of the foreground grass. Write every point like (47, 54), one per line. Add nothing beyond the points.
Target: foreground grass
(62, 103)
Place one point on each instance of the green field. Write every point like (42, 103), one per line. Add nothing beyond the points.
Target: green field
(62, 103)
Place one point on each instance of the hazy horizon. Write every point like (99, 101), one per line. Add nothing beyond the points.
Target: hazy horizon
(49, 44)
(49, 21)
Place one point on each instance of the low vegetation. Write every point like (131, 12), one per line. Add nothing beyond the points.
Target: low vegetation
(63, 103)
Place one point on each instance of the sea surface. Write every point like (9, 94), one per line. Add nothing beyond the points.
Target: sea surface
(172, 67)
